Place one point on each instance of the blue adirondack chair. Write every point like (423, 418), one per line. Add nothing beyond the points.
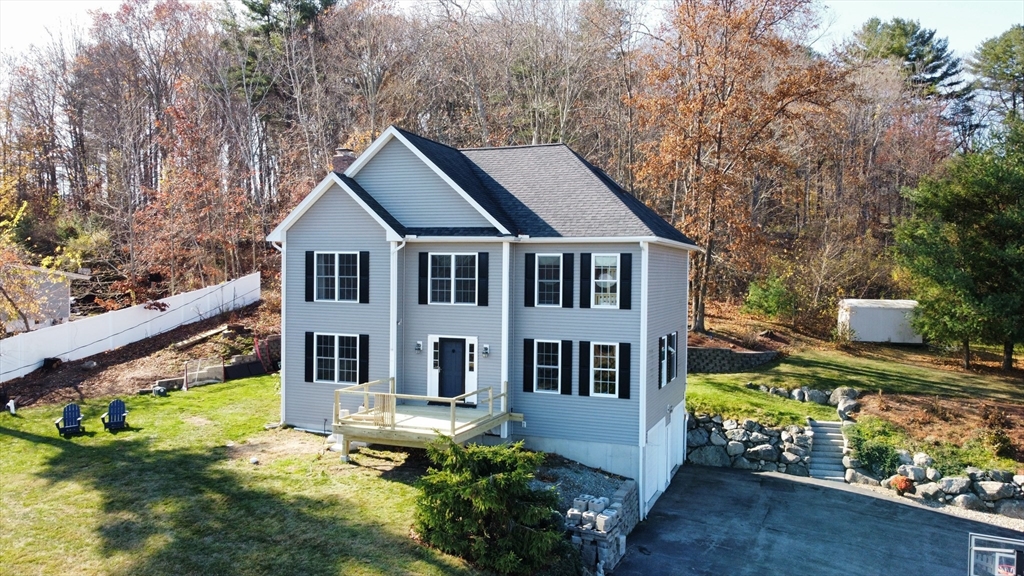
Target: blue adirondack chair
(71, 422)
(116, 416)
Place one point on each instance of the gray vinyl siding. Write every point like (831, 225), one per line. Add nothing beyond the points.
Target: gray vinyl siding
(413, 193)
(668, 275)
(419, 321)
(575, 417)
(334, 223)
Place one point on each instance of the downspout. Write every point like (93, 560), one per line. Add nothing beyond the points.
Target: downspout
(393, 343)
(642, 409)
(284, 301)
(506, 325)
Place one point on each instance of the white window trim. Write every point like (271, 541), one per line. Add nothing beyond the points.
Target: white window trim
(536, 366)
(663, 361)
(430, 278)
(432, 372)
(316, 335)
(316, 296)
(536, 276)
(593, 357)
(672, 359)
(593, 282)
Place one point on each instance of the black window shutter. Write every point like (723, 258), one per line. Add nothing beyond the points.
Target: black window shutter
(566, 367)
(310, 275)
(482, 282)
(567, 272)
(661, 360)
(623, 370)
(530, 280)
(364, 277)
(309, 356)
(528, 365)
(585, 280)
(626, 281)
(424, 270)
(584, 369)
(364, 358)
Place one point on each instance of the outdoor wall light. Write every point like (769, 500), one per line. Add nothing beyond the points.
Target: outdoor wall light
(419, 346)
(486, 350)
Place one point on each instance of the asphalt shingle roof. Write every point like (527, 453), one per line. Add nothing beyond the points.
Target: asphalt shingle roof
(541, 191)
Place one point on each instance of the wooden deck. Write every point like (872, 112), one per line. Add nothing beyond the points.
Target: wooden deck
(407, 420)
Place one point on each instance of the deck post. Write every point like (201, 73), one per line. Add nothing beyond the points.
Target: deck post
(344, 448)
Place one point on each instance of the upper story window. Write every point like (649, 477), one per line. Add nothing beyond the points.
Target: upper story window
(453, 278)
(667, 358)
(549, 280)
(337, 276)
(604, 369)
(548, 366)
(337, 358)
(605, 281)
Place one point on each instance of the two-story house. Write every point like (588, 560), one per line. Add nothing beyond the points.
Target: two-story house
(516, 292)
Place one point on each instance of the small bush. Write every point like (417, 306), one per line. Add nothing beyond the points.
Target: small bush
(770, 298)
(874, 443)
(477, 503)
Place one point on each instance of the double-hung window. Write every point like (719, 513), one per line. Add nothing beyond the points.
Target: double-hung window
(337, 276)
(605, 281)
(549, 280)
(453, 278)
(336, 358)
(548, 366)
(604, 369)
(667, 358)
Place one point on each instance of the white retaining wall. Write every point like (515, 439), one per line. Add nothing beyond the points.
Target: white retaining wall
(24, 353)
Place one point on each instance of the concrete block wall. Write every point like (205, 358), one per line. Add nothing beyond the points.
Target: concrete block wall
(606, 547)
(724, 360)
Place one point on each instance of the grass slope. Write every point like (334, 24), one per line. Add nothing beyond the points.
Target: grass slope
(824, 370)
(176, 494)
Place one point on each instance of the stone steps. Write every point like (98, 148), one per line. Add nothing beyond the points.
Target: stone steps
(827, 444)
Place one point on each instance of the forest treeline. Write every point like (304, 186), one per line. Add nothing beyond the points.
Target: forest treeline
(159, 144)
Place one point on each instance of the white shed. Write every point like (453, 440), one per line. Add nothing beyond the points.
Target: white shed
(878, 320)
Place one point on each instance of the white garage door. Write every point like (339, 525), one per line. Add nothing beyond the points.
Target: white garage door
(656, 467)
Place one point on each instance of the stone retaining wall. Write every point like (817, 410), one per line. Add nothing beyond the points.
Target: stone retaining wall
(599, 526)
(712, 441)
(724, 360)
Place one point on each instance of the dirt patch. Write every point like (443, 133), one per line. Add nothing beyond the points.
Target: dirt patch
(275, 444)
(122, 372)
(954, 420)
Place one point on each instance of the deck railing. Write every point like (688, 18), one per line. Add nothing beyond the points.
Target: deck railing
(381, 413)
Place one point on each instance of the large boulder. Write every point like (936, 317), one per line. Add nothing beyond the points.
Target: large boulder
(975, 474)
(850, 462)
(969, 502)
(923, 460)
(769, 467)
(780, 392)
(765, 452)
(751, 425)
(840, 393)
(817, 396)
(955, 485)
(734, 448)
(697, 437)
(738, 434)
(1011, 508)
(933, 475)
(798, 395)
(990, 491)
(915, 473)
(1018, 479)
(718, 439)
(730, 424)
(715, 456)
(1000, 476)
(858, 477)
(905, 457)
(798, 450)
(742, 463)
(846, 408)
(789, 458)
(931, 491)
(758, 438)
(798, 469)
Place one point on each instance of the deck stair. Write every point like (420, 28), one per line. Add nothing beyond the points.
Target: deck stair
(827, 451)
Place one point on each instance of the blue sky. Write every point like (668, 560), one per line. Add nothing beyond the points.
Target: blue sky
(965, 22)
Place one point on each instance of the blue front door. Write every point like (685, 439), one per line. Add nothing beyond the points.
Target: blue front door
(452, 377)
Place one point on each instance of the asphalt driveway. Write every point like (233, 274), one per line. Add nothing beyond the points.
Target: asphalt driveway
(725, 522)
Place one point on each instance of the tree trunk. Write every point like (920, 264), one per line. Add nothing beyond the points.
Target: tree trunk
(1008, 355)
(701, 293)
(967, 354)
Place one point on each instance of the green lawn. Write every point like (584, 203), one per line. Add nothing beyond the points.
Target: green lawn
(825, 370)
(176, 494)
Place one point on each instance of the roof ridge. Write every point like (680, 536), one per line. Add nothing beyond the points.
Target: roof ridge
(431, 140)
(515, 146)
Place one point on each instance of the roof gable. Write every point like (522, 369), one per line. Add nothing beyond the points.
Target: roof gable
(391, 225)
